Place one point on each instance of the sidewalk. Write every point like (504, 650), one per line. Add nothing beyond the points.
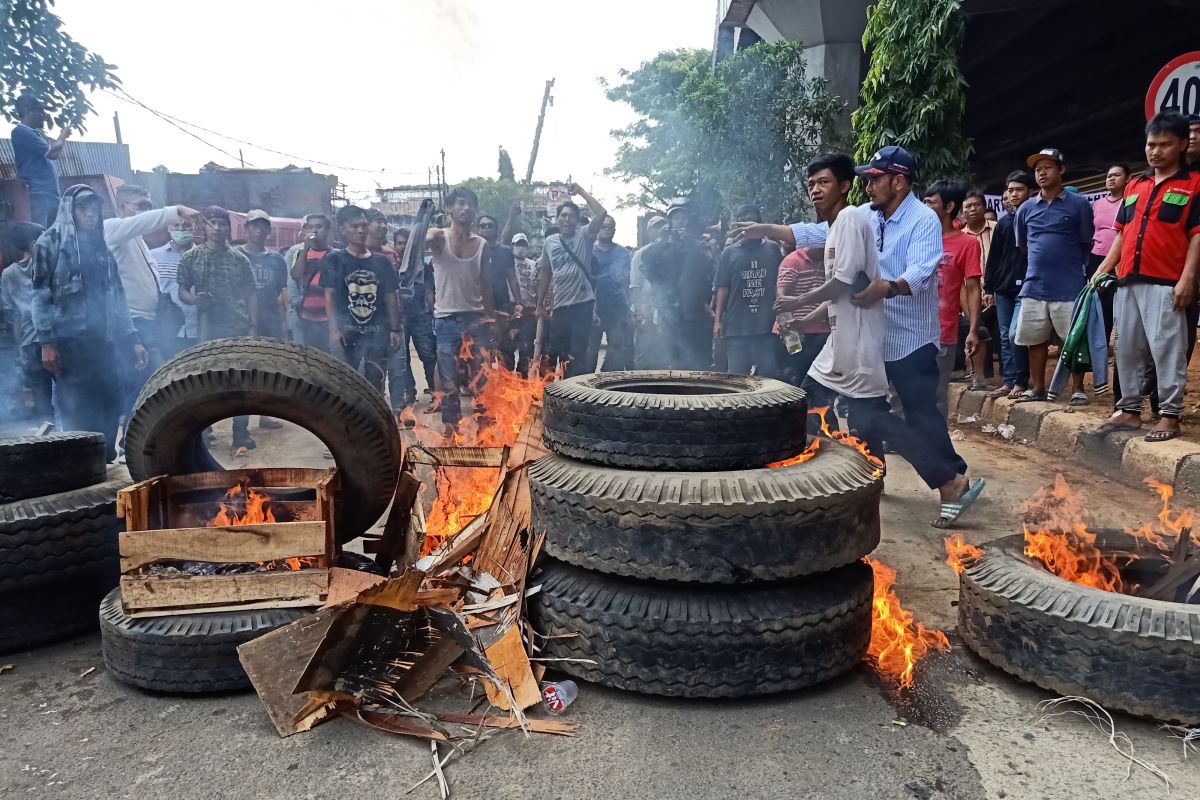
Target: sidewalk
(1062, 430)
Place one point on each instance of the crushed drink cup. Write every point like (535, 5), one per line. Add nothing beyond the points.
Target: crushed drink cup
(557, 696)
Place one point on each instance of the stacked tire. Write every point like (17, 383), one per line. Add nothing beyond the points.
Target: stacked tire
(58, 536)
(679, 563)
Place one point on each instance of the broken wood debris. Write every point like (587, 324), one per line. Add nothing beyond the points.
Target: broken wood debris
(391, 652)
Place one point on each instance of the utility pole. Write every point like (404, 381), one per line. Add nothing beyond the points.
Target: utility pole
(537, 134)
(241, 158)
(117, 127)
(444, 182)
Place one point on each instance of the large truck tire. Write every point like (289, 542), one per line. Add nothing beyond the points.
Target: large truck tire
(230, 377)
(710, 527)
(37, 617)
(186, 653)
(703, 641)
(674, 420)
(61, 537)
(34, 466)
(1126, 653)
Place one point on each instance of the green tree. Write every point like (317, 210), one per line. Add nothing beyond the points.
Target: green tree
(506, 166)
(740, 132)
(37, 56)
(914, 93)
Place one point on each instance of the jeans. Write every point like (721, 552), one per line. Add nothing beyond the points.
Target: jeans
(1014, 359)
(450, 332)
(43, 209)
(915, 380)
(569, 330)
(39, 382)
(89, 388)
(418, 335)
(368, 355)
(132, 378)
(758, 351)
(616, 328)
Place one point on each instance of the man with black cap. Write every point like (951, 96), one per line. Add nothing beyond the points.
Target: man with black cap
(35, 155)
(909, 239)
(1055, 228)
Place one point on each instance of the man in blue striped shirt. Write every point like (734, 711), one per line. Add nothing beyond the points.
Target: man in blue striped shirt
(909, 238)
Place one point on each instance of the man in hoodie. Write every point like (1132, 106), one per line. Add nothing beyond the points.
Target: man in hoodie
(81, 318)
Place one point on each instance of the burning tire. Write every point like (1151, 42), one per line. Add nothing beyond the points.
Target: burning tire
(709, 527)
(1127, 653)
(184, 654)
(32, 466)
(711, 641)
(227, 377)
(674, 420)
(61, 537)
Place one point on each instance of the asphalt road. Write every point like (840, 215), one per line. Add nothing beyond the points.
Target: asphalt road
(972, 731)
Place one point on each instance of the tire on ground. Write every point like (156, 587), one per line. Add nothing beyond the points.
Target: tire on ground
(228, 377)
(703, 641)
(1126, 653)
(185, 654)
(674, 420)
(62, 537)
(33, 466)
(34, 617)
(710, 527)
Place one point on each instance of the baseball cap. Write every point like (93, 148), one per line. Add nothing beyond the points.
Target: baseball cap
(520, 238)
(1052, 153)
(27, 102)
(657, 219)
(890, 160)
(257, 214)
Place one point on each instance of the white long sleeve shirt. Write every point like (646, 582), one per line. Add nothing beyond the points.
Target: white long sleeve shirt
(135, 265)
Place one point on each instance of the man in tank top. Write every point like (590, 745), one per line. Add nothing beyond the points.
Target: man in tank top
(462, 302)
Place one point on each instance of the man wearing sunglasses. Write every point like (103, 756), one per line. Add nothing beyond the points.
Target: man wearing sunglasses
(136, 217)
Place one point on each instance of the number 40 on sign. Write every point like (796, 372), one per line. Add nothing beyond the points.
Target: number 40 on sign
(1176, 87)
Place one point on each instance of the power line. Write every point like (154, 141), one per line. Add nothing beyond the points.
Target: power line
(165, 118)
(172, 119)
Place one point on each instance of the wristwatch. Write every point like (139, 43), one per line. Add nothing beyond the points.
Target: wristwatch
(893, 290)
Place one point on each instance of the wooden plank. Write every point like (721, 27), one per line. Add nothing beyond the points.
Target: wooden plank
(508, 658)
(535, 725)
(398, 593)
(395, 531)
(345, 584)
(266, 476)
(456, 548)
(313, 601)
(125, 496)
(275, 661)
(456, 456)
(210, 590)
(232, 544)
(398, 723)
(428, 669)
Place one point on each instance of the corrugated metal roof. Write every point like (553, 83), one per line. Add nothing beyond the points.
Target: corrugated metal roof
(77, 158)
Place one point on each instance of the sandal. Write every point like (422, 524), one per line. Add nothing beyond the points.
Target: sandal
(1015, 393)
(1161, 435)
(950, 512)
(997, 393)
(1030, 396)
(1079, 399)
(1113, 427)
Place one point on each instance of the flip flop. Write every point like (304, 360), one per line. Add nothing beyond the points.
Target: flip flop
(1161, 435)
(950, 512)
(997, 393)
(1112, 427)
(1015, 393)
(1030, 396)
(1079, 399)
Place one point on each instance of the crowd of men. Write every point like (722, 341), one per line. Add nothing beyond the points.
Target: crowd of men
(871, 309)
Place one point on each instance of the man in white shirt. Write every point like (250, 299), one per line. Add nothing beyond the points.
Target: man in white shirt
(136, 216)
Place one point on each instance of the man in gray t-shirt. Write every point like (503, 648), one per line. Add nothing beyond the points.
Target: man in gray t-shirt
(565, 280)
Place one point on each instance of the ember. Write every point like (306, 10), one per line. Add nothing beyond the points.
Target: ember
(958, 552)
(898, 642)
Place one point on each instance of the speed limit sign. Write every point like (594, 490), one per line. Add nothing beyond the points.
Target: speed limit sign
(1176, 87)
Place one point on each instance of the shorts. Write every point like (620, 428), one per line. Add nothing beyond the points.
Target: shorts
(1039, 318)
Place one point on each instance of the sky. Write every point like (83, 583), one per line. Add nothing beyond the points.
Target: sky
(380, 87)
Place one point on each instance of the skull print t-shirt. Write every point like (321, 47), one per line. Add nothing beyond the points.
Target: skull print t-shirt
(360, 286)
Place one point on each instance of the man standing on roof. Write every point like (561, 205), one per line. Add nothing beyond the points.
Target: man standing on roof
(35, 156)
(909, 241)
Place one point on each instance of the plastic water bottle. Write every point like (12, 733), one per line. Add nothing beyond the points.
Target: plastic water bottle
(557, 696)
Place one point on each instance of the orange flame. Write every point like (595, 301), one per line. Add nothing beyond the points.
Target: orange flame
(1057, 536)
(898, 641)
(840, 436)
(256, 507)
(958, 553)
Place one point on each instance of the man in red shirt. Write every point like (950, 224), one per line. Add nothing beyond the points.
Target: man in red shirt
(960, 275)
(305, 265)
(1155, 254)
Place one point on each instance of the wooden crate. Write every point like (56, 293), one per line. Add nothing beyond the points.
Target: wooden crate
(167, 518)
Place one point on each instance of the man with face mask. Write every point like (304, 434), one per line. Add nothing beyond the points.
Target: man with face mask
(166, 259)
(677, 273)
(81, 318)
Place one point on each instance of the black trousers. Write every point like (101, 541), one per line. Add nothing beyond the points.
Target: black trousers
(570, 329)
(89, 388)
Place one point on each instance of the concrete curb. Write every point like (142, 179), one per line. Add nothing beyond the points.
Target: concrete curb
(1055, 428)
